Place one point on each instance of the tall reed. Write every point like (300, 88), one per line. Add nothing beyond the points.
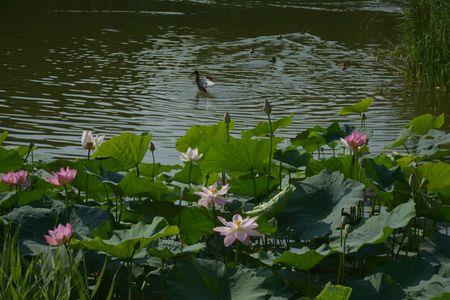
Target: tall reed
(426, 31)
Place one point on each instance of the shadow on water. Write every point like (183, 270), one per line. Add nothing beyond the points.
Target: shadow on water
(126, 65)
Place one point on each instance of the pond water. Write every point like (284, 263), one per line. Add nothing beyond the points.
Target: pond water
(118, 65)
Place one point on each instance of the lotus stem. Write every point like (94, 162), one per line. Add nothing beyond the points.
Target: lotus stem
(67, 202)
(153, 166)
(190, 174)
(270, 154)
(281, 169)
(254, 183)
(236, 255)
(87, 176)
(129, 279)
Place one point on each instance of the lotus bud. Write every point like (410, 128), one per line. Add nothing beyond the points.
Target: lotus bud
(363, 117)
(227, 118)
(152, 147)
(267, 107)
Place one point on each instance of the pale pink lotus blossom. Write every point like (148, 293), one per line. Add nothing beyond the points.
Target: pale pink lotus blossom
(191, 155)
(212, 196)
(59, 235)
(355, 141)
(18, 178)
(241, 229)
(89, 141)
(63, 177)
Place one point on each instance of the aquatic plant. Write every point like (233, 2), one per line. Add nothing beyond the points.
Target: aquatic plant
(426, 45)
(335, 225)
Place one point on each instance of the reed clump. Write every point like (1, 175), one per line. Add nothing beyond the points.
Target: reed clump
(426, 31)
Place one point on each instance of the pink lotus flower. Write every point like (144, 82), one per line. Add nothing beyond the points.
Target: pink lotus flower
(211, 195)
(241, 229)
(63, 177)
(59, 235)
(355, 141)
(18, 178)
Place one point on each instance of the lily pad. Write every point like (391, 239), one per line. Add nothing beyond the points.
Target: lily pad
(334, 292)
(303, 259)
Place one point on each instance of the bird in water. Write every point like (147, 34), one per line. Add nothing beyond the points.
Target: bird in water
(273, 60)
(203, 82)
(252, 49)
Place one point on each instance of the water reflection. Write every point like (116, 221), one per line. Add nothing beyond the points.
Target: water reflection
(126, 65)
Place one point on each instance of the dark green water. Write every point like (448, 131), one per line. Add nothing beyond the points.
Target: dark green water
(117, 65)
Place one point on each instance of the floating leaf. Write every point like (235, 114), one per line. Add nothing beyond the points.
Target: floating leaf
(359, 107)
(314, 209)
(208, 279)
(127, 148)
(334, 292)
(377, 229)
(126, 242)
(303, 259)
(263, 128)
(382, 176)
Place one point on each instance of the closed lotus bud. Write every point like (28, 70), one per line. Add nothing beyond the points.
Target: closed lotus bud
(412, 179)
(152, 147)
(267, 107)
(363, 117)
(227, 118)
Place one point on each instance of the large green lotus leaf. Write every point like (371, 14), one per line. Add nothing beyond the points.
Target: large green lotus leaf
(359, 107)
(202, 279)
(436, 249)
(423, 123)
(203, 137)
(194, 223)
(263, 128)
(375, 287)
(132, 185)
(382, 176)
(341, 164)
(438, 175)
(155, 169)
(292, 158)
(402, 138)
(434, 143)
(303, 259)
(128, 149)
(244, 186)
(125, 243)
(34, 222)
(196, 175)
(335, 132)
(166, 249)
(334, 292)
(10, 160)
(146, 211)
(275, 205)
(26, 197)
(377, 229)
(310, 139)
(314, 209)
(240, 155)
(436, 286)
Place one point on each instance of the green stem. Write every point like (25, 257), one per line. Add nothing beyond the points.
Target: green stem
(254, 183)
(236, 254)
(87, 177)
(270, 154)
(280, 171)
(190, 174)
(129, 280)
(153, 167)
(138, 173)
(67, 202)
(216, 239)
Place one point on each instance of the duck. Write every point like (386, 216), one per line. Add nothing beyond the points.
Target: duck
(252, 49)
(203, 82)
(273, 60)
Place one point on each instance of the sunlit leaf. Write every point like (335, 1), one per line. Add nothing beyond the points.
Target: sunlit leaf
(359, 107)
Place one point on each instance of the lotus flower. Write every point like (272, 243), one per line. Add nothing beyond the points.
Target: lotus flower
(210, 196)
(59, 235)
(191, 155)
(355, 141)
(63, 177)
(89, 141)
(238, 228)
(18, 178)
